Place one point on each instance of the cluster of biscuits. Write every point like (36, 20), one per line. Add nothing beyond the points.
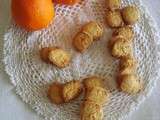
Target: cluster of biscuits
(117, 17)
(120, 45)
(89, 33)
(62, 93)
(95, 96)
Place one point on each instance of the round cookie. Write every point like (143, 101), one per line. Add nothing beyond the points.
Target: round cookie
(91, 111)
(71, 90)
(113, 4)
(97, 95)
(126, 32)
(130, 15)
(113, 40)
(93, 81)
(82, 41)
(128, 62)
(59, 57)
(114, 19)
(44, 53)
(125, 71)
(55, 93)
(121, 48)
(94, 29)
(130, 84)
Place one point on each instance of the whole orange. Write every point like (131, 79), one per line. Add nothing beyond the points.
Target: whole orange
(32, 14)
(67, 2)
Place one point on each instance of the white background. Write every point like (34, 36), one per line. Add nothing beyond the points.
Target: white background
(12, 107)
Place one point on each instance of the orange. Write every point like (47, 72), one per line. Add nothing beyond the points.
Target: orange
(67, 2)
(32, 14)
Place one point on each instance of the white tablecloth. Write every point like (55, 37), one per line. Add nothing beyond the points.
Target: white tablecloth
(12, 107)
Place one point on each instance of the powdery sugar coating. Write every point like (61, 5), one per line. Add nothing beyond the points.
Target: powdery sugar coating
(31, 76)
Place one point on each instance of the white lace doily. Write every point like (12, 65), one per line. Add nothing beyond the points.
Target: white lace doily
(31, 76)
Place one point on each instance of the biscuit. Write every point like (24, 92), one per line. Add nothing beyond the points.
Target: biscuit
(97, 95)
(113, 4)
(112, 41)
(126, 32)
(93, 28)
(121, 48)
(130, 84)
(44, 52)
(114, 19)
(59, 57)
(55, 93)
(91, 111)
(130, 15)
(125, 71)
(82, 41)
(128, 62)
(71, 90)
(93, 81)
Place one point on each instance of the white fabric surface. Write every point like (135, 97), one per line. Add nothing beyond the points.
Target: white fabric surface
(11, 107)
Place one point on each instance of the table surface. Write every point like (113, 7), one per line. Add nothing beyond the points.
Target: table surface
(13, 108)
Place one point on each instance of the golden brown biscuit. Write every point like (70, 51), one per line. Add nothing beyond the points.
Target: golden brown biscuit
(114, 19)
(82, 41)
(91, 111)
(44, 52)
(112, 41)
(125, 71)
(93, 81)
(128, 62)
(55, 93)
(130, 84)
(113, 4)
(121, 48)
(59, 57)
(130, 15)
(126, 32)
(93, 28)
(97, 95)
(71, 90)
